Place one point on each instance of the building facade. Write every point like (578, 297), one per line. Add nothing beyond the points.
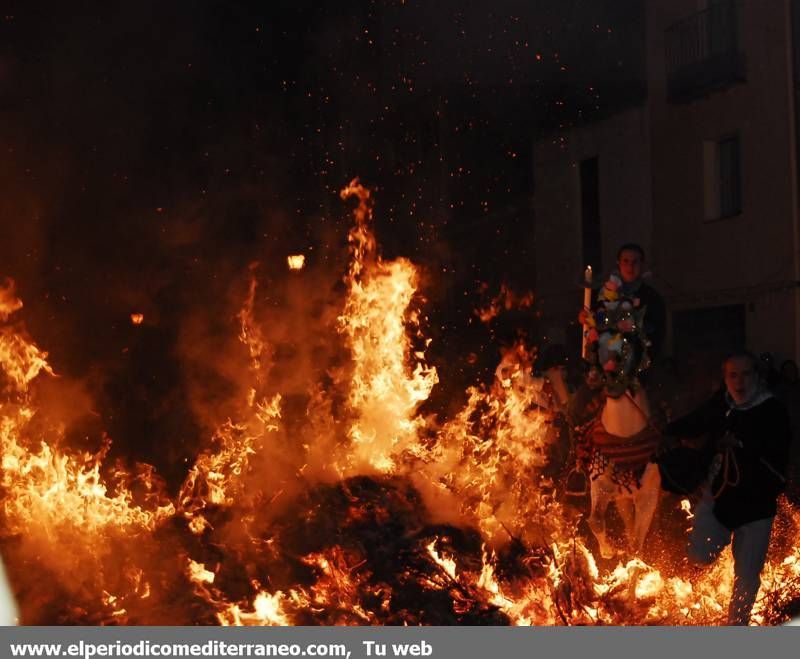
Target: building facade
(703, 175)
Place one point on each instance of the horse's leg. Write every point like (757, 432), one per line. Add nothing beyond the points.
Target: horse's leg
(602, 492)
(646, 501)
(627, 511)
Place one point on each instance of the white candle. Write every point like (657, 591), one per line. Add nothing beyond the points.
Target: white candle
(587, 292)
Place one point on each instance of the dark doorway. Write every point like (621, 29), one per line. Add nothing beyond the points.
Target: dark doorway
(590, 214)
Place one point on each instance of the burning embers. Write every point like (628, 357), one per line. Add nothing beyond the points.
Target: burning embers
(342, 505)
(296, 261)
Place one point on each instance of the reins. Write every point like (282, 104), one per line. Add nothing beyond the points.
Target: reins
(729, 463)
(646, 418)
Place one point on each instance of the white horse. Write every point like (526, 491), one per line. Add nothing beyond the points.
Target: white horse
(622, 441)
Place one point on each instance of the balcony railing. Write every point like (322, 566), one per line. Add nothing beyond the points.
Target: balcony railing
(703, 53)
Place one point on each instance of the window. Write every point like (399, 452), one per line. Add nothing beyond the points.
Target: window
(723, 178)
(730, 180)
(590, 214)
(703, 51)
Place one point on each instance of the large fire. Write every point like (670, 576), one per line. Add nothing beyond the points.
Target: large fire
(357, 510)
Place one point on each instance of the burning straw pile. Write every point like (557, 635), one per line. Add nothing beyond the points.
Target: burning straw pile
(354, 509)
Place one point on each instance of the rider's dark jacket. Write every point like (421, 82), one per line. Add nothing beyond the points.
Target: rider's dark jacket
(747, 487)
(655, 318)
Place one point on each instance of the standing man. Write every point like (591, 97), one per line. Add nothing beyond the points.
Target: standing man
(748, 433)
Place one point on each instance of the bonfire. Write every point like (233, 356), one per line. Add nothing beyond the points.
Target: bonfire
(356, 509)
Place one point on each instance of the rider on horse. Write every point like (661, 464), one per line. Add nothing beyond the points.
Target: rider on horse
(616, 445)
(623, 329)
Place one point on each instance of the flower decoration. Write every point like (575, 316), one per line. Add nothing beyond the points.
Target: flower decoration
(616, 341)
(608, 294)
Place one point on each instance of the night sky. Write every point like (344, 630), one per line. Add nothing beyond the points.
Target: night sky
(152, 150)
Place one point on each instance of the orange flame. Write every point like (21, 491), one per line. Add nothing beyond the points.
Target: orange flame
(9, 302)
(487, 461)
(217, 478)
(58, 502)
(505, 300)
(385, 392)
(250, 333)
